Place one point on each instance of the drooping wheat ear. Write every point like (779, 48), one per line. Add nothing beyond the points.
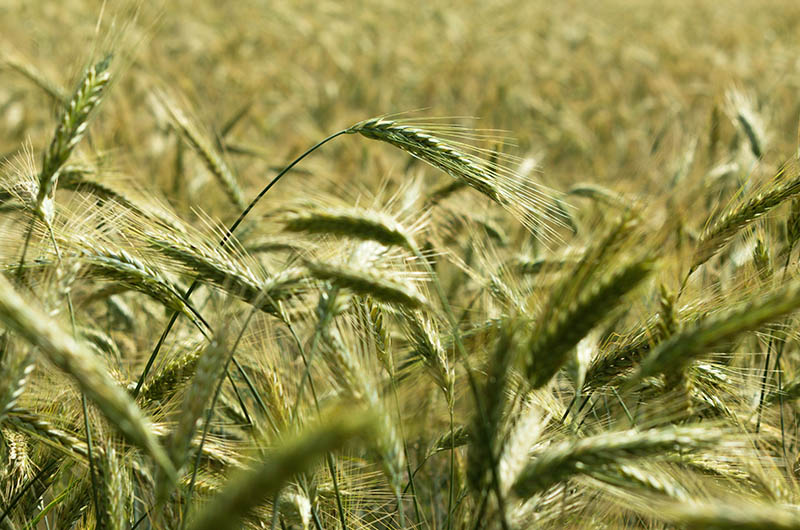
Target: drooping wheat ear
(719, 514)
(462, 435)
(637, 479)
(704, 334)
(43, 332)
(273, 244)
(29, 422)
(352, 222)
(13, 379)
(78, 179)
(213, 161)
(441, 146)
(266, 478)
(124, 269)
(601, 195)
(232, 273)
(720, 233)
(368, 283)
(443, 192)
(69, 132)
(525, 265)
(561, 461)
(549, 345)
(618, 359)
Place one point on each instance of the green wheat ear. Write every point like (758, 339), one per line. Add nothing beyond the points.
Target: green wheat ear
(69, 132)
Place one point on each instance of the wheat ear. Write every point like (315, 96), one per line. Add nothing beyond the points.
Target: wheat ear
(559, 462)
(437, 145)
(267, 477)
(70, 130)
(730, 224)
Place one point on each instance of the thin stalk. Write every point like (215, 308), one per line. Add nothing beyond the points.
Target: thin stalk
(417, 511)
(209, 416)
(85, 408)
(769, 353)
(307, 373)
(228, 233)
(473, 385)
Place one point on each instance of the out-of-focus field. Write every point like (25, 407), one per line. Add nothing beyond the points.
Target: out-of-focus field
(555, 286)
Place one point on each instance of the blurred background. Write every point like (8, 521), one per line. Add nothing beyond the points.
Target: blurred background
(621, 93)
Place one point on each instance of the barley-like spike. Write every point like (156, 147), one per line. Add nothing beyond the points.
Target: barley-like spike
(487, 427)
(600, 194)
(355, 223)
(116, 491)
(213, 161)
(527, 201)
(462, 435)
(232, 275)
(121, 267)
(427, 343)
(12, 382)
(69, 132)
(170, 378)
(351, 377)
(561, 461)
(36, 76)
(209, 370)
(617, 360)
(375, 319)
(718, 515)
(266, 478)
(28, 421)
(762, 261)
(704, 334)
(549, 345)
(368, 283)
(730, 224)
(635, 478)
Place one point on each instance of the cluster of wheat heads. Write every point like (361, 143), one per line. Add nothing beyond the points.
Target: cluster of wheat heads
(396, 361)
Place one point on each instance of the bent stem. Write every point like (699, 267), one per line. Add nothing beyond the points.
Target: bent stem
(228, 233)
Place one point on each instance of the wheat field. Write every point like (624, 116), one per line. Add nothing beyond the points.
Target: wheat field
(394, 265)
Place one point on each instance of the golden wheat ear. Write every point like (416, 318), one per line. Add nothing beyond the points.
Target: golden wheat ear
(449, 148)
